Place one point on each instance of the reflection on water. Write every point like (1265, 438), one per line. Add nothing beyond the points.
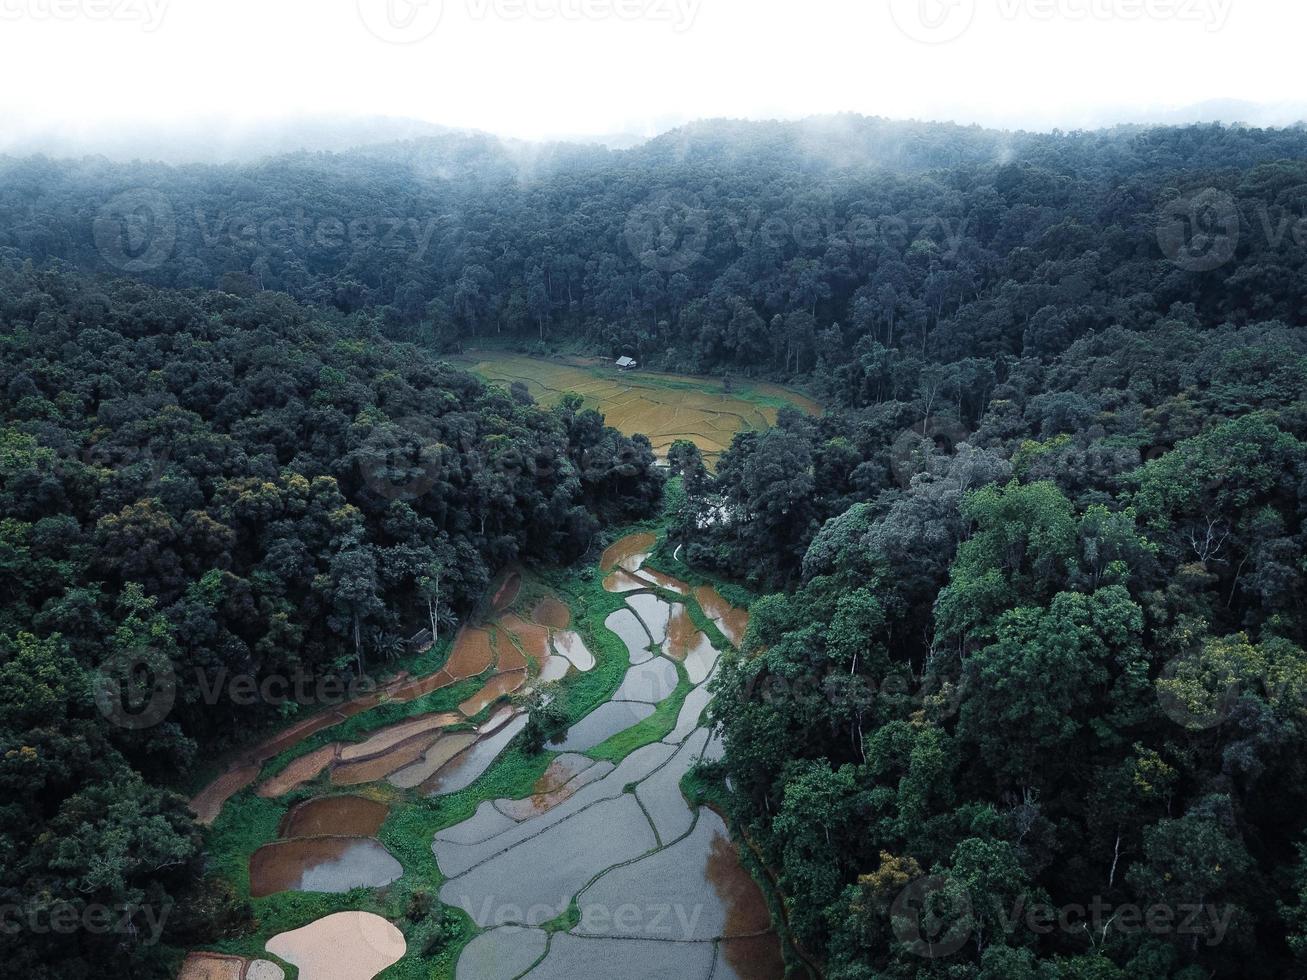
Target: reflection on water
(321, 864)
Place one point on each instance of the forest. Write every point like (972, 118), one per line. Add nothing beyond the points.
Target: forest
(1028, 624)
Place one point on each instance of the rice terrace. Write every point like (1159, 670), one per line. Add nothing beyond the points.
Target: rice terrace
(410, 833)
(664, 407)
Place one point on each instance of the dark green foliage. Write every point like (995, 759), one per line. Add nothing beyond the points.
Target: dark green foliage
(1038, 633)
(231, 488)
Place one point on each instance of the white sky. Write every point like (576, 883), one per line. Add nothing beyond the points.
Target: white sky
(548, 67)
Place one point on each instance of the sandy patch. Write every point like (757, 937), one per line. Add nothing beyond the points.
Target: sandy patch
(344, 946)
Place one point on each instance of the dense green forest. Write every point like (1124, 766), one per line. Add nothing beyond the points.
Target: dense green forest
(1030, 633)
(245, 488)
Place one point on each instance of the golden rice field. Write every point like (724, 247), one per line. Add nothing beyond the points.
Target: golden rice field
(664, 407)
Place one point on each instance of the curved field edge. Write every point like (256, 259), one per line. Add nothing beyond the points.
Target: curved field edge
(436, 933)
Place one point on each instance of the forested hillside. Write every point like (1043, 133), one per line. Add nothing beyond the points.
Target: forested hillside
(238, 488)
(1029, 634)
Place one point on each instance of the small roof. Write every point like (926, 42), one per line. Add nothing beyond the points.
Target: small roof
(625, 362)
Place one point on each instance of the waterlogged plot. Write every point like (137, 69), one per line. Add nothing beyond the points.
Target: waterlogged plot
(381, 766)
(631, 632)
(731, 621)
(466, 768)
(623, 581)
(552, 612)
(602, 724)
(700, 876)
(472, 654)
(498, 720)
(565, 775)
(691, 711)
(700, 660)
(660, 794)
(545, 875)
(497, 687)
(455, 859)
(571, 957)
(651, 682)
(344, 946)
(556, 669)
(751, 958)
(219, 966)
(321, 864)
(663, 581)
(212, 966)
(501, 954)
(628, 553)
(654, 612)
(388, 738)
(345, 816)
(570, 645)
(486, 823)
(531, 637)
(444, 749)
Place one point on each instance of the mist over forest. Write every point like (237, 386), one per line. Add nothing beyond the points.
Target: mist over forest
(1000, 566)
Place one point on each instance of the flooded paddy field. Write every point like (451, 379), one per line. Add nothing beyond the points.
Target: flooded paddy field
(448, 814)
